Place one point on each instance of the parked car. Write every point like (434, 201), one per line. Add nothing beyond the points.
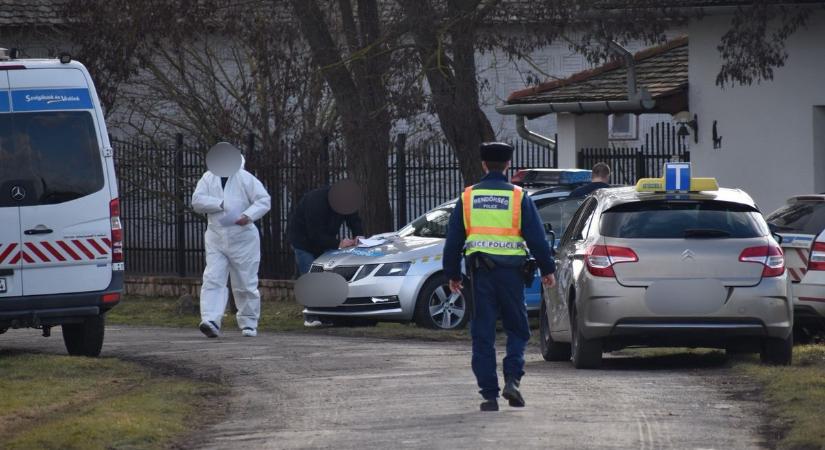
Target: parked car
(647, 266)
(401, 281)
(61, 243)
(801, 224)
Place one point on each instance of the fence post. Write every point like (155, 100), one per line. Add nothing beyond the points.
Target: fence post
(401, 178)
(640, 165)
(579, 158)
(180, 226)
(686, 157)
(556, 151)
(325, 160)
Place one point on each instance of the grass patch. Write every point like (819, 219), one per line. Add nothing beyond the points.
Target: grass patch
(62, 402)
(275, 316)
(796, 396)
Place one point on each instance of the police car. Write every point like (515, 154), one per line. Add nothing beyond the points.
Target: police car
(672, 262)
(400, 280)
(61, 247)
(801, 224)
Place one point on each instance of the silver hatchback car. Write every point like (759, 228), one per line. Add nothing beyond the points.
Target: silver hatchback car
(665, 269)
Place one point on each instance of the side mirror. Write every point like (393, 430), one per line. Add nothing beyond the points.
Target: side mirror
(551, 238)
(777, 236)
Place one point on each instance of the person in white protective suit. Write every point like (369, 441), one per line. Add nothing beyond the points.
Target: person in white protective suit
(232, 200)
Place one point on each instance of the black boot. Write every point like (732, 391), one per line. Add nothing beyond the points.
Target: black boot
(512, 394)
(489, 405)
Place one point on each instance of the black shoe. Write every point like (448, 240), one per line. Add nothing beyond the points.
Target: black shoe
(512, 394)
(489, 405)
(210, 329)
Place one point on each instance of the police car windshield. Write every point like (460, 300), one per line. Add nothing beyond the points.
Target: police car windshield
(432, 225)
(55, 153)
(666, 219)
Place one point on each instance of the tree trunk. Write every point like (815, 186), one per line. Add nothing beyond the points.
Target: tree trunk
(360, 98)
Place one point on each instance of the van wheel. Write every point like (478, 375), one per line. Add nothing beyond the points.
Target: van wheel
(550, 349)
(587, 353)
(439, 308)
(84, 339)
(777, 352)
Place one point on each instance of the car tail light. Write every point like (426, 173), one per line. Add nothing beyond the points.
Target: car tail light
(110, 298)
(600, 259)
(770, 256)
(518, 178)
(817, 260)
(117, 231)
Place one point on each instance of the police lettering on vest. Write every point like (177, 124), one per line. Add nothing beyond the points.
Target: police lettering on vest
(492, 221)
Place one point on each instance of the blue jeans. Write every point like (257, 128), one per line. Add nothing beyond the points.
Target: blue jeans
(303, 259)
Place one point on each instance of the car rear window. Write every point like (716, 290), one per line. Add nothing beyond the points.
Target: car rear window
(56, 152)
(804, 217)
(667, 219)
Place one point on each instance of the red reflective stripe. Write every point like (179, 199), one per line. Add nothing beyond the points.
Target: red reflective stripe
(517, 195)
(37, 252)
(468, 207)
(27, 258)
(108, 242)
(494, 231)
(794, 276)
(83, 249)
(68, 250)
(803, 256)
(7, 251)
(97, 247)
(16, 259)
(53, 251)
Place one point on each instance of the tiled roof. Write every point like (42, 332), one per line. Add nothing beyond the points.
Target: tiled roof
(663, 70)
(19, 13)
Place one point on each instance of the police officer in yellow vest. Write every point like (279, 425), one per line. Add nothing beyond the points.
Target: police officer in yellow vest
(494, 224)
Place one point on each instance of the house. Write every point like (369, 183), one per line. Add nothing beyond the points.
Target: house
(767, 138)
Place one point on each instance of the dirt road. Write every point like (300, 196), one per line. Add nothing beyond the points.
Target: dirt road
(313, 391)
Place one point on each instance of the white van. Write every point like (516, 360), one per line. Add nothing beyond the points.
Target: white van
(61, 243)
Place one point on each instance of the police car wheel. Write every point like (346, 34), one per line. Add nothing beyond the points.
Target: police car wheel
(550, 349)
(438, 308)
(586, 353)
(86, 338)
(777, 352)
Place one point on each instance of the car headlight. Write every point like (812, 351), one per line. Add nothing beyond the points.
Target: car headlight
(365, 272)
(393, 270)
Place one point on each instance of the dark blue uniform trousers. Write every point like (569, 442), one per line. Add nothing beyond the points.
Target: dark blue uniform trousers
(499, 291)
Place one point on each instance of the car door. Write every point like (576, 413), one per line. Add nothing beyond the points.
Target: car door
(11, 263)
(65, 215)
(565, 267)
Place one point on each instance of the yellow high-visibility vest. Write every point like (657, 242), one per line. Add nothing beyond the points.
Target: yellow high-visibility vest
(492, 221)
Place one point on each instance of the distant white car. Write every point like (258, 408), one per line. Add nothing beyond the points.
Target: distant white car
(402, 280)
(801, 223)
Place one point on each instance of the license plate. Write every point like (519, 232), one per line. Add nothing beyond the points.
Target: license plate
(2, 285)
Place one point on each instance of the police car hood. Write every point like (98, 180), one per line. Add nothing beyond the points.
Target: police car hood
(395, 249)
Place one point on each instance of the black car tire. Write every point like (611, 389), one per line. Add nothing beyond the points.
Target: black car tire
(777, 352)
(422, 316)
(586, 353)
(85, 338)
(550, 349)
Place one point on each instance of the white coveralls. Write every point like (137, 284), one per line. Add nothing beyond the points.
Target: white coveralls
(232, 251)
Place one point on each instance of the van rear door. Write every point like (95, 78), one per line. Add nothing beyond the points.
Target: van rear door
(64, 221)
(11, 263)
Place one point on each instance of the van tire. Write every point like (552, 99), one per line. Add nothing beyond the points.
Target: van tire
(86, 338)
(777, 352)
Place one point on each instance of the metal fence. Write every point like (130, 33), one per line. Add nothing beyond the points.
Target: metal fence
(163, 236)
(628, 164)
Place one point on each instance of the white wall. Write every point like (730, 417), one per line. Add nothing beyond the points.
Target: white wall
(767, 129)
(580, 131)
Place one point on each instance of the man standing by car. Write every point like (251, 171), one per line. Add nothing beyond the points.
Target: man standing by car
(601, 179)
(316, 223)
(495, 223)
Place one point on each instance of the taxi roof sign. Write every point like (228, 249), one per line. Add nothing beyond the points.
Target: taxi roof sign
(677, 179)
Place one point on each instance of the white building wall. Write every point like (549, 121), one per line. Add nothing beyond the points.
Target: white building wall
(767, 129)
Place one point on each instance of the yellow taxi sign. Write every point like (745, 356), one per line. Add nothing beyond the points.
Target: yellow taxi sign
(677, 179)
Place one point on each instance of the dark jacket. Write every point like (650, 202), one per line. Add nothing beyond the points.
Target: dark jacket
(314, 226)
(587, 189)
(532, 230)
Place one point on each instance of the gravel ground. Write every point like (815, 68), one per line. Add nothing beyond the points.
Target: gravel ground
(320, 391)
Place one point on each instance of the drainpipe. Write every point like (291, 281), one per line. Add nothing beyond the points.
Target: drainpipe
(532, 136)
(630, 63)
